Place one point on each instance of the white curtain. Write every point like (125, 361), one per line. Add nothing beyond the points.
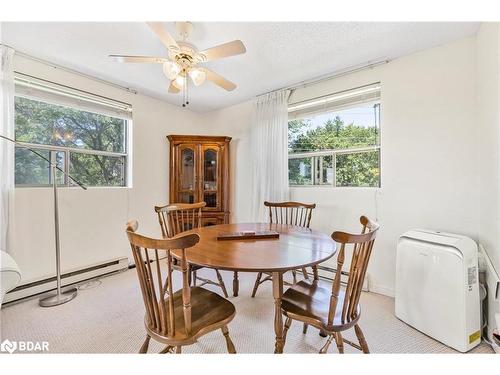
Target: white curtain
(6, 148)
(269, 137)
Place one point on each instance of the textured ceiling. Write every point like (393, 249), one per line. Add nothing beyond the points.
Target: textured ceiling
(278, 53)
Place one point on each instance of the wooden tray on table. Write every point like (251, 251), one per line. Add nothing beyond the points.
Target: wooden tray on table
(247, 235)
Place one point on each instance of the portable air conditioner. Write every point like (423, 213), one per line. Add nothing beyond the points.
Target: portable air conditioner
(437, 288)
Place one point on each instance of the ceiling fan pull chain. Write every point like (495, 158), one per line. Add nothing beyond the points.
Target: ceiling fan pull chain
(184, 93)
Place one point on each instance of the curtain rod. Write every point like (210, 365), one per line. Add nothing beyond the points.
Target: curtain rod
(336, 93)
(32, 79)
(331, 76)
(69, 70)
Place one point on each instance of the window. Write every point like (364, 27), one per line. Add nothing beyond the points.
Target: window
(86, 136)
(335, 140)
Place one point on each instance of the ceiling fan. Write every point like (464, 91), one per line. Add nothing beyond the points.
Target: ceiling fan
(183, 59)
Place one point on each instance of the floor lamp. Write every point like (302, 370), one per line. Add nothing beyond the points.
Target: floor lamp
(60, 297)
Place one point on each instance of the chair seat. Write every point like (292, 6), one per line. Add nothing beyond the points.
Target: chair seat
(207, 310)
(311, 300)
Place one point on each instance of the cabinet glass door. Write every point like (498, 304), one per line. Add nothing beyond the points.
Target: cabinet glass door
(210, 181)
(187, 174)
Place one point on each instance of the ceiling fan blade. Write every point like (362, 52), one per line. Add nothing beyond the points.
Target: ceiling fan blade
(219, 80)
(172, 89)
(139, 59)
(164, 35)
(236, 47)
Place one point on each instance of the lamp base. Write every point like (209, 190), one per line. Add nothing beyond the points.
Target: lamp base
(58, 299)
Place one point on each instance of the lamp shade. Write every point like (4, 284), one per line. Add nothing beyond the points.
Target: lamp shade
(179, 82)
(171, 69)
(198, 76)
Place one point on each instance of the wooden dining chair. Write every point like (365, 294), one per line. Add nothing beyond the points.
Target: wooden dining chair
(334, 309)
(180, 217)
(175, 318)
(291, 213)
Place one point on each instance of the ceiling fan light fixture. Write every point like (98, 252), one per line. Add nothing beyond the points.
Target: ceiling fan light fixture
(171, 70)
(198, 76)
(183, 58)
(179, 82)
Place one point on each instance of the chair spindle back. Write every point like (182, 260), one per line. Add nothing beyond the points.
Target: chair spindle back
(362, 248)
(179, 217)
(158, 295)
(291, 213)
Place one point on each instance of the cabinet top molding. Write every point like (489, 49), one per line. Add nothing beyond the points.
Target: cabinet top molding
(189, 138)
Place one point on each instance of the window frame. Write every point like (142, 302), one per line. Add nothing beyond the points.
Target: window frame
(52, 149)
(316, 156)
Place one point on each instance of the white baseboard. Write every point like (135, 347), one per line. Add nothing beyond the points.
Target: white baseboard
(381, 289)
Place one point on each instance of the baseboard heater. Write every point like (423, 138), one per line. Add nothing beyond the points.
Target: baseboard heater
(328, 274)
(68, 278)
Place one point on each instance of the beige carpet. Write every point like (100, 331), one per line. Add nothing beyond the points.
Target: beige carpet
(108, 318)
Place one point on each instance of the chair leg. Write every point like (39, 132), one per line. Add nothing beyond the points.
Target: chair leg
(178, 349)
(324, 349)
(294, 273)
(194, 278)
(315, 273)
(304, 272)
(167, 349)
(230, 346)
(340, 342)
(257, 282)
(236, 284)
(304, 329)
(165, 287)
(221, 283)
(288, 323)
(361, 339)
(145, 345)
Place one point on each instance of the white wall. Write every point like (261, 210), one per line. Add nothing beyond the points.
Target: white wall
(92, 221)
(488, 110)
(429, 153)
(488, 90)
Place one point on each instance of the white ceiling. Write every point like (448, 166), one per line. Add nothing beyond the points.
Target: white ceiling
(278, 53)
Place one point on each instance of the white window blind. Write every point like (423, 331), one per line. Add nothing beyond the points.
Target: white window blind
(339, 100)
(50, 92)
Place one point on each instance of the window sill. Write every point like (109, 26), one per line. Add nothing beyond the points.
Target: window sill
(75, 187)
(335, 187)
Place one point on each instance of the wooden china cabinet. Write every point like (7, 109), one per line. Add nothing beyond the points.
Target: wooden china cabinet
(199, 171)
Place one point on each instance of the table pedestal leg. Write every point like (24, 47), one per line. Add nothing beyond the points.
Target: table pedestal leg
(236, 284)
(278, 318)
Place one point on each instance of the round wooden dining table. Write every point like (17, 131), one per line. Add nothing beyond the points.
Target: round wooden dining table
(295, 248)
